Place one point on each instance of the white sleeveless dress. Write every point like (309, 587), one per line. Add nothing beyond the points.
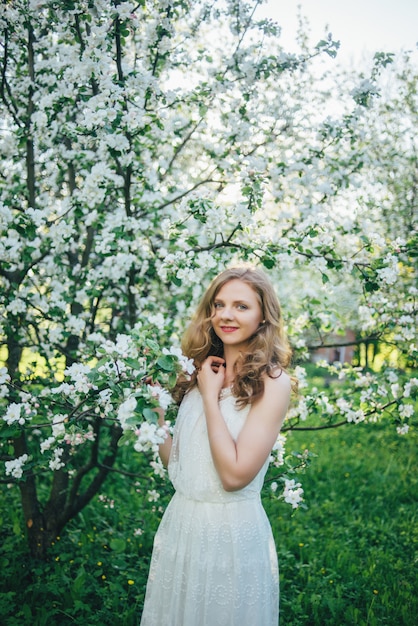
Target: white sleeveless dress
(214, 561)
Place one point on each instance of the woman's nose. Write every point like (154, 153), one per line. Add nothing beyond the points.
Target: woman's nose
(227, 313)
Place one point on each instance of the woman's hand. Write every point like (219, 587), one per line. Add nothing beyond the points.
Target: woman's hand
(211, 376)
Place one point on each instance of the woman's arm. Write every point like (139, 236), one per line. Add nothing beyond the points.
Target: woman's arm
(238, 462)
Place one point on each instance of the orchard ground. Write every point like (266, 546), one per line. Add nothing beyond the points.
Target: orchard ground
(349, 558)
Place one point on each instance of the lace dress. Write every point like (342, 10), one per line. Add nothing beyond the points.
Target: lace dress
(214, 561)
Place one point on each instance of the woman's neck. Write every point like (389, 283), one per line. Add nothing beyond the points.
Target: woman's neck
(230, 355)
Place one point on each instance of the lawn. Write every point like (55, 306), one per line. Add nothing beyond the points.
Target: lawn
(349, 558)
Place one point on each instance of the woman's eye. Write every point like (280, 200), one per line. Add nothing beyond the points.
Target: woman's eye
(217, 305)
(242, 307)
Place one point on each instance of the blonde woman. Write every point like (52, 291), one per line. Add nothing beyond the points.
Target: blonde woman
(214, 561)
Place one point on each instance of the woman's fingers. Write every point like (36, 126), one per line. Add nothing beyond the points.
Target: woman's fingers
(216, 361)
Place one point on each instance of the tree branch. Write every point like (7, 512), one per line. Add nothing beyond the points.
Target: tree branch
(4, 86)
(80, 501)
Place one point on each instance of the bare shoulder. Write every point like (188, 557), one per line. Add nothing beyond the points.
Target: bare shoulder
(276, 396)
(271, 408)
(278, 383)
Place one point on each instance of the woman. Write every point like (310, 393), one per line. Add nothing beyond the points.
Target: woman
(214, 561)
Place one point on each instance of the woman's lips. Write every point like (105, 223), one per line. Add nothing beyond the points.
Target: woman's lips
(228, 329)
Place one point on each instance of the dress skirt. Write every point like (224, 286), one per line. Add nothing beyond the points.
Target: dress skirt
(214, 560)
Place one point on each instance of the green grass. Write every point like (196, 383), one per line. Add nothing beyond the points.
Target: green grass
(350, 558)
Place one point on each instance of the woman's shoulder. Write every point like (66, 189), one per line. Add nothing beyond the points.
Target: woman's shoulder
(277, 380)
(275, 399)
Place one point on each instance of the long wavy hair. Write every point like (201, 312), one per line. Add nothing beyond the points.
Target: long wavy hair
(268, 350)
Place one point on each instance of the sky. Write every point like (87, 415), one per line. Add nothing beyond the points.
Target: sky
(362, 26)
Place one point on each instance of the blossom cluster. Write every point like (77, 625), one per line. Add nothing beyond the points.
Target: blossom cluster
(293, 493)
(371, 393)
(15, 466)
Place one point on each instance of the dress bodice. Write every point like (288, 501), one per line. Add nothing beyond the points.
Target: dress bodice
(191, 468)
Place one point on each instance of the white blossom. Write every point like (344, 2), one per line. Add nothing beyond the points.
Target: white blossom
(16, 306)
(394, 389)
(279, 450)
(149, 437)
(58, 425)
(76, 439)
(78, 373)
(389, 274)
(392, 376)
(406, 410)
(158, 467)
(153, 495)
(402, 430)
(162, 395)
(186, 364)
(293, 493)
(157, 320)
(46, 444)
(4, 376)
(4, 391)
(15, 466)
(56, 463)
(126, 410)
(123, 347)
(300, 374)
(413, 382)
(14, 415)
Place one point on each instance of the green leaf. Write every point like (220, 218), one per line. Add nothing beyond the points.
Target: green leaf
(134, 363)
(9, 432)
(79, 582)
(150, 415)
(153, 345)
(132, 421)
(166, 363)
(371, 286)
(127, 437)
(268, 262)
(117, 544)
(172, 379)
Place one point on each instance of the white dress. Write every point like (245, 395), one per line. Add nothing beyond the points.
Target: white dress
(214, 561)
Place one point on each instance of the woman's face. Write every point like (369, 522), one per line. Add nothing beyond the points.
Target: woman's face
(236, 314)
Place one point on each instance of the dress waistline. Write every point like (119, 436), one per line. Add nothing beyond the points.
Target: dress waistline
(230, 497)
